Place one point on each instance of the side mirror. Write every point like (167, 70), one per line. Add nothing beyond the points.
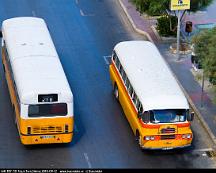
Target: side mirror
(146, 117)
(0, 34)
(139, 115)
(190, 116)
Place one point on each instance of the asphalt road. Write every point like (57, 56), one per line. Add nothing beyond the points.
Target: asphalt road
(84, 33)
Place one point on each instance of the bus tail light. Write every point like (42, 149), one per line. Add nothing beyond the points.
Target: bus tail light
(148, 138)
(28, 130)
(66, 128)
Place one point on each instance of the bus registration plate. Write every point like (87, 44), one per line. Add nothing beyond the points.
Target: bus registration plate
(47, 136)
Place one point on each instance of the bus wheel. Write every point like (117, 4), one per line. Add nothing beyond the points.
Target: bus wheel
(3, 67)
(14, 113)
(139, 139)
(116, 92)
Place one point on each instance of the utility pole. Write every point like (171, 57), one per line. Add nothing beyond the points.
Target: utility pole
(179, 5)
(202, 93)
(178, 36)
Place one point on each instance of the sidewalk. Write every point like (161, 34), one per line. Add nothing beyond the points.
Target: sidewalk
(182, 69)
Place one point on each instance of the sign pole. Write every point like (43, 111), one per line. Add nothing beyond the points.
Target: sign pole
(178, 36)
(179, 5)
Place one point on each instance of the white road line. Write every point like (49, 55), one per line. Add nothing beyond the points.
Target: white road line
(33, 13)
(75, 128)
(83, 14)
(87, 160)
(106, 59)
(203, 150)
(77, 2)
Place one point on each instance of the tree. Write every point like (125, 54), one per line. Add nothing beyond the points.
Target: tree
(162, 8)
(205, 50)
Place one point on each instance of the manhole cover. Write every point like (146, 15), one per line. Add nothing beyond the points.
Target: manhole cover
(211, 153)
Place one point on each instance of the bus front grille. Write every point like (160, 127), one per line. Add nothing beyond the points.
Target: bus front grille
(47, 129)
(168, 130)
(165, 137)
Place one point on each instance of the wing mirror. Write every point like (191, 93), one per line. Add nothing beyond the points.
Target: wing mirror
(144, 116)
(190, 116)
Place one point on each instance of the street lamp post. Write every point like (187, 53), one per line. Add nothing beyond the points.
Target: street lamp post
(202, 93)
(178, 36)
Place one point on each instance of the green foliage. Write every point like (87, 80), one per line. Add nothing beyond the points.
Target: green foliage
(160, 7)
(167, 25)
(152, 7)
(199, 4)
(205, 49)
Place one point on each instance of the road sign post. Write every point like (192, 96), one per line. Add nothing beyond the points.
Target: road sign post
(179, 5)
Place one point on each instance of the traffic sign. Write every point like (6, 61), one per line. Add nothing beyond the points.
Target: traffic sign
(180, 4)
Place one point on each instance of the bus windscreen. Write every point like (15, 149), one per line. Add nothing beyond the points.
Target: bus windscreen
(168, 116)
(47, 110)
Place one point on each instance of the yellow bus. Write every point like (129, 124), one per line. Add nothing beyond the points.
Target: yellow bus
(40, 94)
(153, 102)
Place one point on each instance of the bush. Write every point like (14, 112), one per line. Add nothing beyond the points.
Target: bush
(167, 25)
(212, 79)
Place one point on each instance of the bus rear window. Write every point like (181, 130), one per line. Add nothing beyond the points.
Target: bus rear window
(47, 110)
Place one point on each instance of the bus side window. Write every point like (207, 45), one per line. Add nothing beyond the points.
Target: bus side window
(127, 83)
(122, 72)
(131, 91)
(114, 56)
(134, 98)
(140, 108)
(120, 69)
(117, 62)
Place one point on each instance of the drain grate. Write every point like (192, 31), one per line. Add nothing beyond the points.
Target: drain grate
(211, 153)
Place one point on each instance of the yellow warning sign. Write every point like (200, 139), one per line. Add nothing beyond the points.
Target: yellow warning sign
(180, 4)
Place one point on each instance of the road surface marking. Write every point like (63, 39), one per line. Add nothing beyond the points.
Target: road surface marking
(203, 150)
(87, 160)
(33, 13)
(83, 14)
(77, 2)
(75, 128)
(106, 59)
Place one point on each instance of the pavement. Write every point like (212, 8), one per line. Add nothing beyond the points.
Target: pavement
(201, 102)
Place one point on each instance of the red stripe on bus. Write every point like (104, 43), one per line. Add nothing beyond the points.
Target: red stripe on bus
(152, 126)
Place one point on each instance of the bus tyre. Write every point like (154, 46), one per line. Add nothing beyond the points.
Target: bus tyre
(3, 67)
(116, 92)
(139, 139)
(14, 113)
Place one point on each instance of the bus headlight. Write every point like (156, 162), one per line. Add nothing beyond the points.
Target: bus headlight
(147, 138)
(187, 136)
(152, 138)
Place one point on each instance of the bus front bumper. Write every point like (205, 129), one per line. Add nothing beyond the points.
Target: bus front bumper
(166, 144)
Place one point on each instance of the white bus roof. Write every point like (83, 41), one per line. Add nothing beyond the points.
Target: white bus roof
(150, 76)
(34, 60)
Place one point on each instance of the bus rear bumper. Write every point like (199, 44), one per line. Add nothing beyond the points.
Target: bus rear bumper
(46, 139)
